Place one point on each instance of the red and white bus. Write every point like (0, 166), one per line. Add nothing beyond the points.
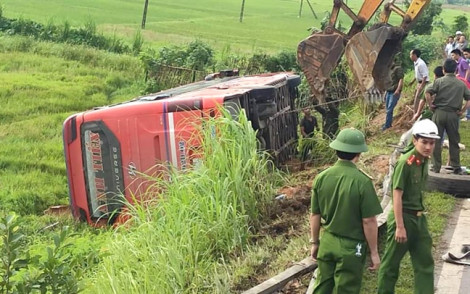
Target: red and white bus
(107, 148)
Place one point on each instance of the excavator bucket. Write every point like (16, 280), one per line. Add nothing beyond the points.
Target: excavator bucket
(318, 55)
(370, 55)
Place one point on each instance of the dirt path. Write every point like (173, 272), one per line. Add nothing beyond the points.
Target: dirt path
(465, 8)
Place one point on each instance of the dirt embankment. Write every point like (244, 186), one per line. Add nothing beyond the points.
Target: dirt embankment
(465, 8)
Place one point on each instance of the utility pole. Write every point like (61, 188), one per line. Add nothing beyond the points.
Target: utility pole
(242, 10)
(311, 8)
(144, 17)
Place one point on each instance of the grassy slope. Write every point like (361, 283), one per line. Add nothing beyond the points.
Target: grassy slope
(38, 92)
(268, 24)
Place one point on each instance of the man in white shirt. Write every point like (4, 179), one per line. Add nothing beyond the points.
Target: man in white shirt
(421, 76)
(451, 45)
(460, 42)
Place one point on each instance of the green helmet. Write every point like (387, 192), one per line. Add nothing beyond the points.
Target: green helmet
(350, 140)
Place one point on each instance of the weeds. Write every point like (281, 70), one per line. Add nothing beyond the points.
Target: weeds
(203, 215)
(86, 35)
(11, 253)
(54, 271)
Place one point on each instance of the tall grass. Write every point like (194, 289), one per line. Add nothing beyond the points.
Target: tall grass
(203, 216)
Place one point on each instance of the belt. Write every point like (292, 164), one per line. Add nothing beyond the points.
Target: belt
(413, 212)
(419, 82)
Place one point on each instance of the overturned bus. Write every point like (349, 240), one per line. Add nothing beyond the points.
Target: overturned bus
(108, 147)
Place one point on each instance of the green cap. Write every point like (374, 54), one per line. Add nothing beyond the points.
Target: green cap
(350, 140)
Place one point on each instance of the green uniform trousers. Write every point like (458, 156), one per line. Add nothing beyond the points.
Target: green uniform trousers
(340, 265)
(448, 121)
(419, 245)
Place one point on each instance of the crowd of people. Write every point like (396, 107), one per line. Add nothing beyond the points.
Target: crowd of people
(439, 100)
(344, 202)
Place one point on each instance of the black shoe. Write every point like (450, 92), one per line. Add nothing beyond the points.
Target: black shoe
(458, 171)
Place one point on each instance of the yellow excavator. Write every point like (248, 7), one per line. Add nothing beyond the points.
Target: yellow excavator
(368, 53)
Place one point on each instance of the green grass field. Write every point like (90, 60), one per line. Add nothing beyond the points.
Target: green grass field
(43, 83)
(270, 25)
(39, 90)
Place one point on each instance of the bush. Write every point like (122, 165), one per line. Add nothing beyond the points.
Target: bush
(460, 23)
(56, 270)
(431, 49)
(284, 61)
(86, 35)
(196, 55)
(199, 55)
(423, 25)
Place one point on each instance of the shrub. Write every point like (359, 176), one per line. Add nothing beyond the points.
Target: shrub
(54, 271)
(430, 46)
(423, 25)
(199, 55)
(283, 61)
(196, 55)
(460, 23)
(86, 35)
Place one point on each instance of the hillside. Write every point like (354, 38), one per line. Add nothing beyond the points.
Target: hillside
(43, 83)
(268, 25)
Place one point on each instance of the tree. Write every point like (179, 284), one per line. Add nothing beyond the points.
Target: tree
(460, 23)
(423, 25)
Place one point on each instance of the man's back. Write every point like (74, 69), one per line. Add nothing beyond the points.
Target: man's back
(343, 196)
(449, 92)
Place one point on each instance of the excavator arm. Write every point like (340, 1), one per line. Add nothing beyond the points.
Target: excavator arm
(369, 54)
(409, 17)
(319, 54)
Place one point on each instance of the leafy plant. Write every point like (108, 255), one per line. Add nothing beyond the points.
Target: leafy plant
(460, 23)
(199, 55)
(283, 61)
(430, 46)
(12, 257)
(56, 271)
(86, 35)
(440, 24)
(325, 20)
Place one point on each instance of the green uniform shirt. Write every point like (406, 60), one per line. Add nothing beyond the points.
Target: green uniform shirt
(450, 93)
(410, 176)
(396, 76)
(343, 196)
(426, 113)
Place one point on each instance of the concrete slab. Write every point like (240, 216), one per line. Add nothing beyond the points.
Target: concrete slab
(455, 279)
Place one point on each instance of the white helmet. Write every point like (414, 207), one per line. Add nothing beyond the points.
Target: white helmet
(426, 128)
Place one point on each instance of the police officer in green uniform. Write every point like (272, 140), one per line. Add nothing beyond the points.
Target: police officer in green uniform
(447, 107)
(423, 110)
(345, 198)
(407, 229)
